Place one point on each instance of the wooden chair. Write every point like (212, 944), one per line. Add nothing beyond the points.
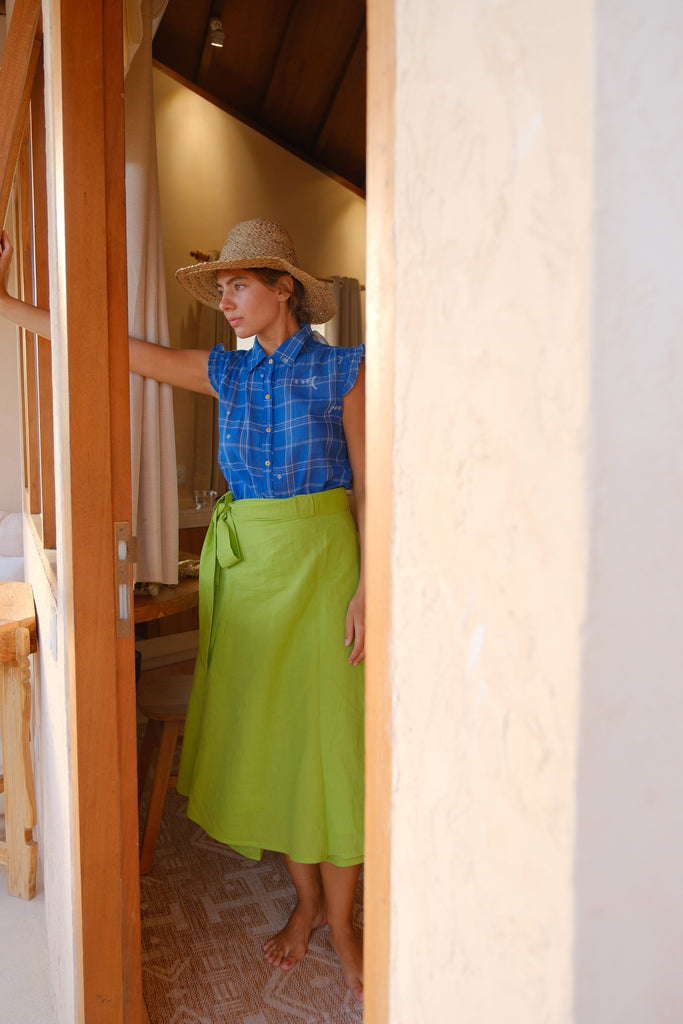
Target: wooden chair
(162, 697)
(19, 850)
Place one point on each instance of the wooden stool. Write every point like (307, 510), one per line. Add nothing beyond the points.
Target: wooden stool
(19, 850)
(162, 696)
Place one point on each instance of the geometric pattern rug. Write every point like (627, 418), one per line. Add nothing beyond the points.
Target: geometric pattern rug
(206, 912)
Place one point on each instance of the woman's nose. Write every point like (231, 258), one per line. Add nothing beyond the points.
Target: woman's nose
(226, 302)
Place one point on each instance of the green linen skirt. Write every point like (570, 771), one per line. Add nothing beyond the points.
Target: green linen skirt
(272, 757)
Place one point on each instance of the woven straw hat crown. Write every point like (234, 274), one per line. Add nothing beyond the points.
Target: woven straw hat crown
(250, 245)
(254, 239)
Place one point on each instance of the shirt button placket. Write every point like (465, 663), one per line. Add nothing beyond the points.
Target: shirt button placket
(268, 439)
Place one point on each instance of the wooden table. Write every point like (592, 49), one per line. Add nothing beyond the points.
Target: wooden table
(169, 601)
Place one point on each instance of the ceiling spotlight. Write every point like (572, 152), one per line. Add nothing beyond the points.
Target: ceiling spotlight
(216, 33)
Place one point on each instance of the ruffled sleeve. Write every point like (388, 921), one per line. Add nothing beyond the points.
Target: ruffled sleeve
(348, 364)
(221, 363)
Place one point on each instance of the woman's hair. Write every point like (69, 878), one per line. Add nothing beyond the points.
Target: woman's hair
(270, 277)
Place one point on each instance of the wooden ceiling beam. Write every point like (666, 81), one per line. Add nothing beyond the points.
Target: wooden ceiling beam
(315, 51)
(360, 40)
(341, 142)
(215, 10)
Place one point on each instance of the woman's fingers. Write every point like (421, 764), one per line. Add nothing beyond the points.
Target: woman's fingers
(355, 634)
(5, 255)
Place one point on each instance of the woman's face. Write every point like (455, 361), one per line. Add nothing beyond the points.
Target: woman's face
(249, 306)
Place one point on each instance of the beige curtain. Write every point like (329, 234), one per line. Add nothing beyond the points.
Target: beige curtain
(346, 326)
(155, 493)
(134, 27)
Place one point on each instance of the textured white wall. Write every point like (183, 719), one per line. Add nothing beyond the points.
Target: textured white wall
(629, 897)
(537, 816)
(493, 245)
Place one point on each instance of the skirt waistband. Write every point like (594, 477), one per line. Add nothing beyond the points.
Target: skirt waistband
(299, 506)
(222, 536)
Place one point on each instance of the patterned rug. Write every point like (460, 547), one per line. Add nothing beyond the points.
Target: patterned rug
(206, 912)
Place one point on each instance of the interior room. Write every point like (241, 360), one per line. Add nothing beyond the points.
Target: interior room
(214, 170)
(525, 634)
(216, 166)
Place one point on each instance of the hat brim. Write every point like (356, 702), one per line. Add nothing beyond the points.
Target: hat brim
(200, 280)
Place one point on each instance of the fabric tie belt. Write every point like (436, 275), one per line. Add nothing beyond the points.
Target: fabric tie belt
(226, 549)
(221, 548)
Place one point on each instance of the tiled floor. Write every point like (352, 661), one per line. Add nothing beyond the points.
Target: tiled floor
(25, 990)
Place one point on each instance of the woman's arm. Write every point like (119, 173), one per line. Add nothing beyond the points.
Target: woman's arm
(22, 313)
(353, 418)
(185, 368)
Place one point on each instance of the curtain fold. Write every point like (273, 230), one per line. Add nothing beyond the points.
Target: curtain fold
(345, 329)
(153, 458)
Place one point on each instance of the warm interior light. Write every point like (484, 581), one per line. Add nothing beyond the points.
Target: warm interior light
(216, 33)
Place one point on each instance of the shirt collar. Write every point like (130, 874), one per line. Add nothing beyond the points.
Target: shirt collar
(286, 352)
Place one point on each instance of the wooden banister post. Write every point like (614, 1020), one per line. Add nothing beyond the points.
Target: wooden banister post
(19, 850)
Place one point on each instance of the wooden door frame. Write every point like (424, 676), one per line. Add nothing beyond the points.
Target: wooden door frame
(380, 308)
(87, 275)
(88, 288)
(84, 174)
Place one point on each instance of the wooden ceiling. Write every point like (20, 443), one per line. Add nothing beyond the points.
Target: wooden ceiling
(293, 69)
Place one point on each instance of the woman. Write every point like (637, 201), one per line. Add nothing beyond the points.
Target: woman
(273, 750)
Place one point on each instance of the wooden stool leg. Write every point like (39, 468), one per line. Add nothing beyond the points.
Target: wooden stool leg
(162, 772)
(150, 741)
(20, 852)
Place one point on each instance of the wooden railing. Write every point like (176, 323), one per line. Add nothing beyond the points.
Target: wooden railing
(23, 175)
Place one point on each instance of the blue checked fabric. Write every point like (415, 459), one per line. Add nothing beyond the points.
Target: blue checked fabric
(280, 416)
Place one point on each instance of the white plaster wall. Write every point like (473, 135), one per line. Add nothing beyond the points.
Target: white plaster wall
(537, 566)
(493, 298)
(629, 896)
(214, 171)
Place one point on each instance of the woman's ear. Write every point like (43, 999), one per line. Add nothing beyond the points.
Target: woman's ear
(285, 287)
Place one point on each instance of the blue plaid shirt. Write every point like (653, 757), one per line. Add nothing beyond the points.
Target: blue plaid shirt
(280, 416)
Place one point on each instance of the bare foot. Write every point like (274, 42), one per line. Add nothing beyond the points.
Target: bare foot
(349, 949)
(287, 947)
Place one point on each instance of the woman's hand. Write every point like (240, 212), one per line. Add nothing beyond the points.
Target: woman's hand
(355, 627)
(353, 418)
(6, 252)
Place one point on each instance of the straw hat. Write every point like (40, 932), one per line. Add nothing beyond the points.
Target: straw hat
(250, 245)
